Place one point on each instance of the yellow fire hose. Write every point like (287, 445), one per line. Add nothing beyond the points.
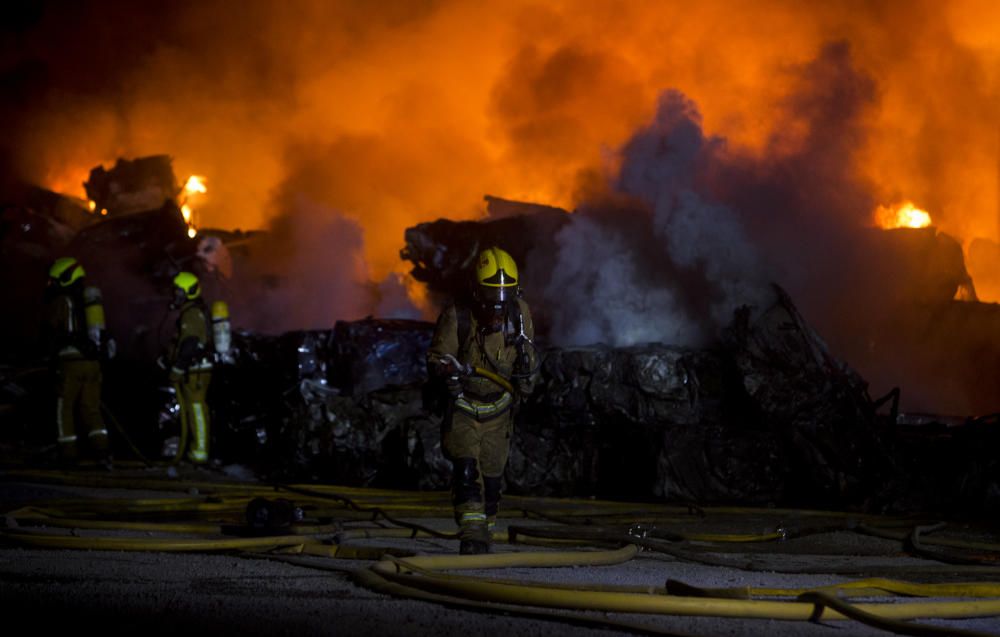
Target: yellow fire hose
(284, 544)
(559, 596)
(234, 505)
(859, 588)
(496, 378)
(539, 595)
(454, 364)
(425, 577)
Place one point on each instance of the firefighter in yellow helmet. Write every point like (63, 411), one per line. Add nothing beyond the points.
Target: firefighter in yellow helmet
(77, 341)
(190, 364)
(483, 352)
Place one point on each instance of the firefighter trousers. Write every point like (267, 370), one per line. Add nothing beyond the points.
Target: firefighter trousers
(191, 392)
(79, 393)
(478, 450)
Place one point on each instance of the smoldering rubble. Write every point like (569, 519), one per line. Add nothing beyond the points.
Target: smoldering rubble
(766, 417)
(763, 414)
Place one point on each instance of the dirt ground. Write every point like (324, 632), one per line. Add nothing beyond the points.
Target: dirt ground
(239, 592)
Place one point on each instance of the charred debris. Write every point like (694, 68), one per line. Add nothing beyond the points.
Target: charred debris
(767, 416)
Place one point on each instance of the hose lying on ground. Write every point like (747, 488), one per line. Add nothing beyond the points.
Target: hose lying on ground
(426, 577)
(541, 595)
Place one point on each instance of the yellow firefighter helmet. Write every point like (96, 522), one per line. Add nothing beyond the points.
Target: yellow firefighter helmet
(66, 271)
(496, 273)
(188, 284)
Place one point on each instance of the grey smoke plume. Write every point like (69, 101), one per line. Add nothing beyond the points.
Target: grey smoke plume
(661, 262)
(311, 272)
(600, 293)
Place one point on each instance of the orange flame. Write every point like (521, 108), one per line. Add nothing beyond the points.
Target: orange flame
(903, 215)
(425, 115)
(194, 186)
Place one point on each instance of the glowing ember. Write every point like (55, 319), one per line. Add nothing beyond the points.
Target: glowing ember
(186, 211)
(904, 215)
(192, 232)
(92, 205)
(195, 184)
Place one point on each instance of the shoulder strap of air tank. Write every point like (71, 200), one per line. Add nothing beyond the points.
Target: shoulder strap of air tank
(514, 314)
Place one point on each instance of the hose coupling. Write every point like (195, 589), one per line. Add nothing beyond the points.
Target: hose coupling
(639, 530)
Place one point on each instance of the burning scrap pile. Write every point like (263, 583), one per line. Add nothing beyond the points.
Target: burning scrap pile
(766, 415)
(763, 414)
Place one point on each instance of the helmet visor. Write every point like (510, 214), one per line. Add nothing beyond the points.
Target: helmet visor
(490, 295)
(178, 298)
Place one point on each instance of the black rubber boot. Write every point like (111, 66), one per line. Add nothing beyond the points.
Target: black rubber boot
(475, 539)
(473, 547)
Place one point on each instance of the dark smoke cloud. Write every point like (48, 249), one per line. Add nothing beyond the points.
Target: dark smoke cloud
(716, 224)
(354, 120)
(804, 200)
(690, 227)
(672, 265)
(706, 227)
(290, 282)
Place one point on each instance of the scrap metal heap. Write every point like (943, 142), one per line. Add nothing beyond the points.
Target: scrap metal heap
(767, 417)
(650, 421)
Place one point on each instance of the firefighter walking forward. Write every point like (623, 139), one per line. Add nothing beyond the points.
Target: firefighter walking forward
(484, 354)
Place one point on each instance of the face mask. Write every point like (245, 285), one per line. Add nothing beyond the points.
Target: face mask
(178, 299)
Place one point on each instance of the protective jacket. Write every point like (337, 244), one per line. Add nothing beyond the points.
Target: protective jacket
(506, 352)
(191, 347)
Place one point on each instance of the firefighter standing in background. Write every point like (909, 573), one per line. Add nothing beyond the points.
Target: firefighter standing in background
(191, 365)
(77, 340)
(486, 358)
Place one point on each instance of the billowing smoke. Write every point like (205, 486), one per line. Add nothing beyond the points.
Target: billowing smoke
(666, 264)
(690, 226)
(694, 229)
(293, 285)
(310, 272)
(414, 110)
(356, 120)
